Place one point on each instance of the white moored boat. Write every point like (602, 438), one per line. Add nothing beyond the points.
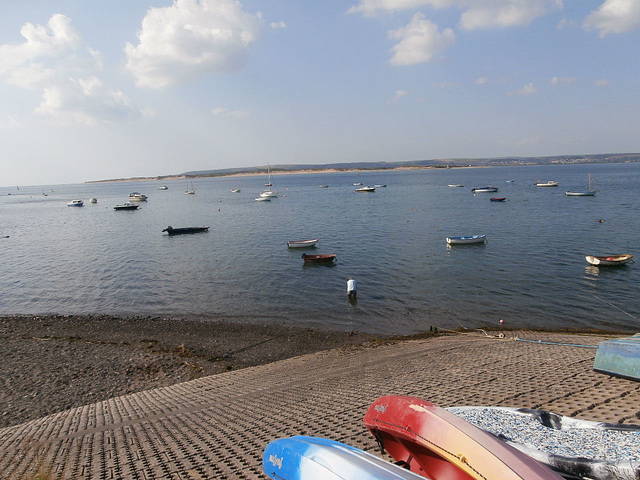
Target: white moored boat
(589, 192)
(488, 188)
(366, 189)
(550, 183)
(302, 243)
(469, 239)
(608, 260)
(270, 192)
(137, 197)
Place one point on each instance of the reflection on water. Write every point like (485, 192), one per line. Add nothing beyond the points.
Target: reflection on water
(530, 273)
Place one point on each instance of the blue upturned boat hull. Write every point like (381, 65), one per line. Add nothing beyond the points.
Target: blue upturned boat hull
(619, 357)
(312, 458)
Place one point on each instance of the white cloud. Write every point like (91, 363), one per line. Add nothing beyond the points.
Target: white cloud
(419, 42)
(614, 16)
(601, 83)
(399, 94)
(564, 23)
(11, 122)
(566, 80)
(278, 25)
(52, 60)
(190, 38)
(528, 89)
(85, 101)
(225, 112)
(371, 7)
(58, 39)
(476, 13)
(504, 13)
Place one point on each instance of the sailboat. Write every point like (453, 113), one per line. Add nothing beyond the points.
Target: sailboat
(270, 192)
(584, 193)
(191, 190)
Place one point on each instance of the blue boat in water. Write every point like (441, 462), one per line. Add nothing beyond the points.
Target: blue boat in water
(313, 458)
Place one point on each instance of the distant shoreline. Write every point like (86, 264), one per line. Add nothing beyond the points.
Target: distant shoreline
(385, 167)
(284, 172)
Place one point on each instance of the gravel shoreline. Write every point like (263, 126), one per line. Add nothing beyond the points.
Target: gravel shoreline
(56, 362)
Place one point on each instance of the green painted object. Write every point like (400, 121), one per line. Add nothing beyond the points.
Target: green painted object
(619, 357)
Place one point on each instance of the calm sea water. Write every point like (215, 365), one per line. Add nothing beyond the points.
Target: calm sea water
(531, 273)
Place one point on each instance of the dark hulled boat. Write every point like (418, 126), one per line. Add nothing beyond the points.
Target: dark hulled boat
(181, 231)
(318, 258)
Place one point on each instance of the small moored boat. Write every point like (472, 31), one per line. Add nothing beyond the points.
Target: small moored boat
(456, 185)
(488, 188)
(357, 183)
(589, 192)
(75, 203)
(263, 199)
(366, 189)
(608, 260)
(498, 199)
(580, 194)
(467, 240)
(180, 231)
(235, 190)
(93, 200)
(550, 183)
(126, 206)
(302, 243)
(137, 197)
(379, 185)
(318, 258)
(163, 187)
(323, 186)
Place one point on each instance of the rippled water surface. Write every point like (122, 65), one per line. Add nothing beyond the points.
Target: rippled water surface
(531, 272)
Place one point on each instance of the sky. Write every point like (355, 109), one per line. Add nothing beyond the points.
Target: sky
(131, 88)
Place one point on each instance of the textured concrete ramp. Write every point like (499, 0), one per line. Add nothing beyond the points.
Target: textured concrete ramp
(217, 427)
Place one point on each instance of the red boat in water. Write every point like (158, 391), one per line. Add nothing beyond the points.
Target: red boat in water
(439, 445)
(318, 258)
(498, 199)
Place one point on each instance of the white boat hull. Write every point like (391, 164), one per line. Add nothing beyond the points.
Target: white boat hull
(579, 194)
(468, 240)
(302, 243)
(608, 260)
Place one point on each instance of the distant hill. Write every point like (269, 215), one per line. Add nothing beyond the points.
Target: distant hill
(435, 163)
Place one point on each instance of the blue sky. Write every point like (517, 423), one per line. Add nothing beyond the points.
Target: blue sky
(96, 90)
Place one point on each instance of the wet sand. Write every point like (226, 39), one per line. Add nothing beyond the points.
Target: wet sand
(53, 363)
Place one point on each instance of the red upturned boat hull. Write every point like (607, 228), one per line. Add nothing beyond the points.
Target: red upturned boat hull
(441, 446)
